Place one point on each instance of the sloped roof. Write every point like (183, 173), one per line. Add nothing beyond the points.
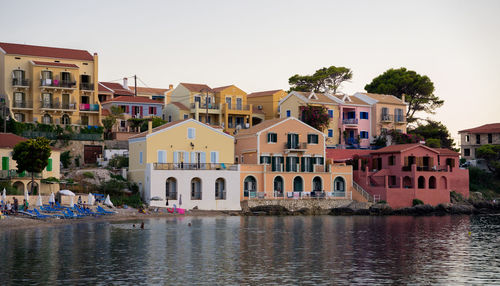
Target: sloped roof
(150, 90)
(135, 99)
(9, 140)
(261, 126)
(221, 88)
(50, 52)
(169, 124)
(105, 112)
(487, 128)
(255, 109)
(321, 98)
(345, 154)
(263, 93)
(384, 98)
(195, 87)
(116, 88)
(445, 151)
(179, 105)
(354, 100)
(55, 64)
(401, 148)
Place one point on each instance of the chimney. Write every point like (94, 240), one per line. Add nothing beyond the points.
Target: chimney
(403, 98)
(150, 126)
(125, 83)
(170, 86)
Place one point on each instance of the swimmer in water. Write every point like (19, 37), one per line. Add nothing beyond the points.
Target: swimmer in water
(189, 224)
(142, 225)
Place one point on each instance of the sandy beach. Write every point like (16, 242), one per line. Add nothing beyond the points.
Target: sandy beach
(21, 221)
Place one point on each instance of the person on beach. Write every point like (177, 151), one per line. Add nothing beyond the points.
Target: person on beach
(79, 202)
(16, 205)
(9, 207)
(25, 205)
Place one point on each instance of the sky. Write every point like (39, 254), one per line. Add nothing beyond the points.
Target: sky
(258, 45)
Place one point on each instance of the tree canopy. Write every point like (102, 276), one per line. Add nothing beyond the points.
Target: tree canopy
(315, 116)
(32, 155)
(323, 80)
(418, 90)
(491, 155)
(435, 134)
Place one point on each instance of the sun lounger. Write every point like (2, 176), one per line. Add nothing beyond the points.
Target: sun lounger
(70, 213)
(40, 215)
(103, 211)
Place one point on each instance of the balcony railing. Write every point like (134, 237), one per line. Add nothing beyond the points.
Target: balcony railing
(89, 107)
(22, 104)
(20, 82)
(399, 119)
(241, 125)
(352, 140)
(53, 136)
(86, 86)
(68, 106)
(7, 174)
(57, 83)
(194, 166)
(295, 146)
(211, 106)
(350, 121)
(386, 117)
(51, 105)
(238, 107)
(426, 168)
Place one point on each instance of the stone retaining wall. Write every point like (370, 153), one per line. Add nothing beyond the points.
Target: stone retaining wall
(294, 205)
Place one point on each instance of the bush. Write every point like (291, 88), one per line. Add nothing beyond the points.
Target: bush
(113, 187)
(66, 159)
(117, 177)
(89, 175)
(382, 202)
(119, 162)
(417, 202)
(77, 161)
(433, 143)
(49, 180)
(134, 200)
(9, 189)
(484, 182)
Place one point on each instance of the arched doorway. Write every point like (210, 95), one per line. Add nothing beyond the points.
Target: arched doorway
(407, 184)
(278, 186)
(339, 186)
(196, 189)
(46, 119)
(250, 187)
(171, 189)
(298, 184)
(220, 189)
(65, 120)
(421, 182)
(19, 187)
(444, 183)
(317, 184)
(35, 188)
(432, 182)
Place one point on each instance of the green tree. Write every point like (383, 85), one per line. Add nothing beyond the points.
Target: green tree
(32, 155)
(434, 130)
(156, 121)
(135, 123)
(109, 121)
(491, 155)
(316, 116)
(323, 80)
(418, 90)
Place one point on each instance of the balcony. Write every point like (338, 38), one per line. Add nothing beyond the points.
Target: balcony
(386, 118)
(238, 107)
(20, 82)
(89, 107)
(295, 147)
(399, 119)
(86, 86)
(68, 106)
(210, 106)
(21, 105)
(350, 121)
(49, 83)
(195, 166)
(8, 174)
(240, 125)
(50, 105)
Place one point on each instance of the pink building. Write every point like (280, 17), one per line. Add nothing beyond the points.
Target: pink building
(398, 174)
(354, 122)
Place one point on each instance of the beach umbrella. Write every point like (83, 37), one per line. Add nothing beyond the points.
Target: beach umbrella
(89, 199)
(108, 202)
(4, 195)
(26, 195)
(52, 198)
(67, 193)
(71, 204)
(39, 201)
(180, 200)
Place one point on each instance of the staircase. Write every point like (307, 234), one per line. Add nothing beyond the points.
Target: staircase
(362, 192)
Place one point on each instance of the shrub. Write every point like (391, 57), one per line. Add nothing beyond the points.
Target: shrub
(113, 187)
(382, 202)
(119, 162)
(77, 161)
(433, 143)
(66, 159)
(88, 175)
(49, 180)
(9, 189)
(417, 202)
(117, 177)
(134, 200)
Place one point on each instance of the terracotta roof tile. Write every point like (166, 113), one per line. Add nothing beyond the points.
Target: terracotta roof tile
(384, 98)
(194, 87)
(487, 128)
(353, 100)
(221, 88)
(445, 151)
(55, 64)
(321, 98)
(60, 53)
(9, 140)
(400, 148)
(166, 125)
(263, 93)
(255, 109)
(105, 112)
(150, 90)
(116, 88)
(179, 105)
(261, 126)
(341, 155)
(137, 99)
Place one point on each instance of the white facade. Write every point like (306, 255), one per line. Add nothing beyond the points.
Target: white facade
(229, 194)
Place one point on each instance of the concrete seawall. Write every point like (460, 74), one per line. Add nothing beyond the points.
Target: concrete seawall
(295, 205)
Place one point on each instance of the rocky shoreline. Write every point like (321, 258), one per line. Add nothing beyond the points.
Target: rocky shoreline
(381, 209)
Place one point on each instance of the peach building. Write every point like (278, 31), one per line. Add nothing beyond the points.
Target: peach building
(285, 158)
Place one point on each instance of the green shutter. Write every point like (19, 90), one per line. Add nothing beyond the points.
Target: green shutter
(5, 163)
(49, 166)
(287, 165)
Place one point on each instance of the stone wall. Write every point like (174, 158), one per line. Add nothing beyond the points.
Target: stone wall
(294, 205)
(76, 148)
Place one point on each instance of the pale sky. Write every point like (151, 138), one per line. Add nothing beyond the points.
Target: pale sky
(258, 45)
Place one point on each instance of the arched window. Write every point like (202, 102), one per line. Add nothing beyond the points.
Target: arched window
(19, 186)
(317, 184)
(278, 186)
(46, 119)
(407, 182)
(432, 182)
(196, 189)
(339, 185)
(444, 183)
(421, 182)
(250, 187)
(220, 189)
(35, 188)
(298, 184)
(171, 189)
(65, 120)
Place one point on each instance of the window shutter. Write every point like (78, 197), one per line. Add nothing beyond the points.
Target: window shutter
(431, 162)
(5, 163)
(140, 111)
(269, 136)
(176, 159)
(127, 108)
(203, 157)
(186, 157)
(287, 165)
(49, 166)
(302, 164)
(406, 160)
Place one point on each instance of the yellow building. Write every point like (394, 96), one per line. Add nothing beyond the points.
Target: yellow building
(267, 102)
(291, 104)
(180, 144)
(22, 181)
(226, 106)
(49, 85)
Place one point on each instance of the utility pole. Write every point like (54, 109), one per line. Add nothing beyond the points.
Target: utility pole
(206, 105)
(135, 85)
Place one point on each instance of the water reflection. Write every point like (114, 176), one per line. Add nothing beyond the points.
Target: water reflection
(311, 250)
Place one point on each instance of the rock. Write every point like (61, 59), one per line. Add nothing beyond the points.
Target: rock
(271, 210)
(381, 209)
(423, 209)
(342, 211)
(442, 209)
(461, 209)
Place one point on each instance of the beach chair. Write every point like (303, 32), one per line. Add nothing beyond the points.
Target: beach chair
(223, 166)
(72, 214)
(39, 215)
(103, 211)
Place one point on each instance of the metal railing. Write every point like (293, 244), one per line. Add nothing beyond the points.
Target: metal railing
(426, 168)
(68, 106)
(22, 104)
(20, 82)
(195, 166)
(211, 106)
(53, 136)
(386, 117)
(241, 125)
(238, 107)
(295, 146)
(86, 86)
(252, 194)
(350, 121)
(50, 105)
(399, 119)
(7, 174)
(89, 107)
(362, 191)
(57, 83)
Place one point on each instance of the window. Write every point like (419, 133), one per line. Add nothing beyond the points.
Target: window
(196, 189)
(191, 133)
(186, 116)
(140, 157)
(293, 141)
(220, 189)
(19, 117)
(363, 115)
(478, 139)
(265, 159)
(162, 156)
(239, 104)
(467, 152)
(330, 113)
(467, 138)
(490, 138)
(364, 135)
(170, 118)
(152, 110)
(228, 101)
(84, 120)
(391, 160)
(46, 119)
(214, 157)
(272, 137)
(288, 113)
(49, 165)
(312, 138)
(171, 189)
(330, 133)
(65, 119)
